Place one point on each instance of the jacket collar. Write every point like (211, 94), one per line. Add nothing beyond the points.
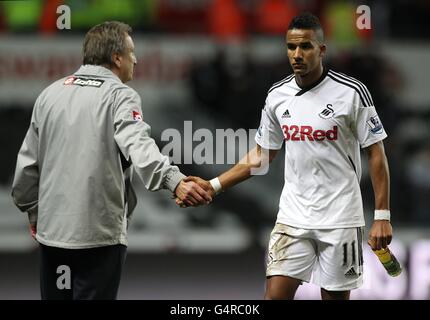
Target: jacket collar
(96, 71)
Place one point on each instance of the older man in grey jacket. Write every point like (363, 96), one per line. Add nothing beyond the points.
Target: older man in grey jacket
(73, 170)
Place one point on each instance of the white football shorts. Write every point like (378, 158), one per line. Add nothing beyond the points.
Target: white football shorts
(329, 258)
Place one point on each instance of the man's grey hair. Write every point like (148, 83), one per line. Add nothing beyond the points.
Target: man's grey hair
(103, 40)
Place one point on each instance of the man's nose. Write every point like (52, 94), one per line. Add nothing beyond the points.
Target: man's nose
(298, 54)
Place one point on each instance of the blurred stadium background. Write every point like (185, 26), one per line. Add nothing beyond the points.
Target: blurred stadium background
(211, 62)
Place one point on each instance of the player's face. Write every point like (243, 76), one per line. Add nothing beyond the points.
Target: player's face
(128, 60)
(304, 51)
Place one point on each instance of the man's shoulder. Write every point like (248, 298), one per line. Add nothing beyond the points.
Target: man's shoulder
(342, 83)
(278, 92)
(122, 89)
(344, 79)
(281, 85)
(54, 86)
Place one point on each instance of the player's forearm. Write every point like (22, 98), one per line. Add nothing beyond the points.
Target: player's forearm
(379, 173)
(237, 174)
(243, 170)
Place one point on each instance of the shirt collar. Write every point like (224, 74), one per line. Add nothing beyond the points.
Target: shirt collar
(312, 85)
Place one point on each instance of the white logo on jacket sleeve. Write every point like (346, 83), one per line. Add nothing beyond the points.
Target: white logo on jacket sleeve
(137, 116)
(375, 125)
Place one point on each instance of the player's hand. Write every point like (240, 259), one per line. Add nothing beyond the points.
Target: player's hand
(205, 185)
(33, 230)
(192, 194)
(380, 234)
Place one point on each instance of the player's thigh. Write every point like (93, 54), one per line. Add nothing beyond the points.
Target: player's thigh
(335, 295)
(281, 288)
(340, 263)
(290, 253)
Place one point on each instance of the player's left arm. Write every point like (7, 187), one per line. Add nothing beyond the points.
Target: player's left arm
(380, 234)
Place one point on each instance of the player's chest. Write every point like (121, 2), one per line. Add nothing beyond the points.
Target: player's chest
(312, 119)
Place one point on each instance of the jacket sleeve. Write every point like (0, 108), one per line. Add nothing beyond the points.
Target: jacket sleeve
(132, 136)
(25, 187)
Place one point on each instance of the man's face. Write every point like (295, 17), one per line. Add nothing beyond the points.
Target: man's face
(304, 50)
(127, 61)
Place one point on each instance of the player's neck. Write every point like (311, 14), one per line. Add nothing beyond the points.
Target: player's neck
(310, 78)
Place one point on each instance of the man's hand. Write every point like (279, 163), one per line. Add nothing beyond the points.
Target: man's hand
(380, 234)
(33, 230)
(192, 194)
(205, 185)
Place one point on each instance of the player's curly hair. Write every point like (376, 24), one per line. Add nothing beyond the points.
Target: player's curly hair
(104, 39)
(307, 21)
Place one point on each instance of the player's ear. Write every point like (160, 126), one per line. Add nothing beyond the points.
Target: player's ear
(323, 50)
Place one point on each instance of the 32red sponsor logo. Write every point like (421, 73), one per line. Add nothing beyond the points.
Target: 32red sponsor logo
(301, 133)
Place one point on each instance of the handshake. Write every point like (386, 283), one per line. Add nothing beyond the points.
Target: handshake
(194, 191)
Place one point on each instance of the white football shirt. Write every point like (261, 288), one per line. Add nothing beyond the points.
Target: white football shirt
(323, 127)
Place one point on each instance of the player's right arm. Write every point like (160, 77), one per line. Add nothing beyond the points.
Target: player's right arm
(255, 160)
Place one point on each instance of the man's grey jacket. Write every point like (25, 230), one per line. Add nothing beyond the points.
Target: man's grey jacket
(73, 169)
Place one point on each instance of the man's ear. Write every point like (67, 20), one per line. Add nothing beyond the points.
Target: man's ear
(116, 59)
(323, 50)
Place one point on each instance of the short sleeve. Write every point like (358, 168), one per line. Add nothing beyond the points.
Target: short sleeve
(367, 125)
(269, 134)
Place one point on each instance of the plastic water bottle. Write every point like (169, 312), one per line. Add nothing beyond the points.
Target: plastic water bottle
(389, 261)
